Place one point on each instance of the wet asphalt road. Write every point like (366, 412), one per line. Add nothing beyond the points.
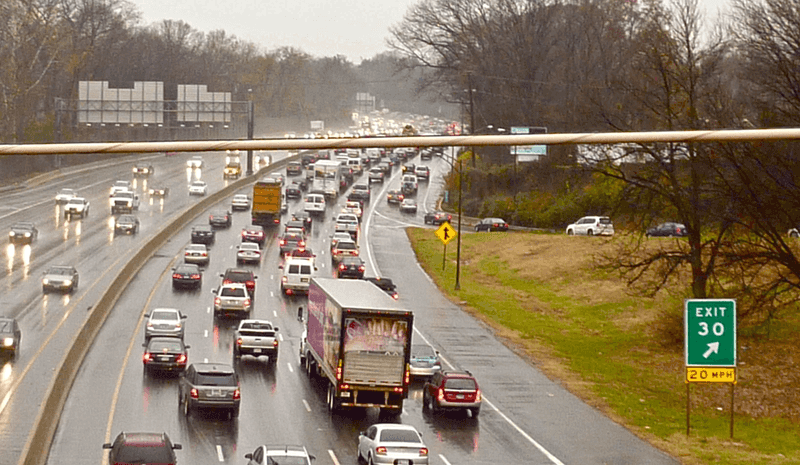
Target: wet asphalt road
(526, 419)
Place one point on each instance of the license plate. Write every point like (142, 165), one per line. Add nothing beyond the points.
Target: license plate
(459, 396)
(303, 280)
(216, 393)
(164, 358)
(402, 462)
(256, 351)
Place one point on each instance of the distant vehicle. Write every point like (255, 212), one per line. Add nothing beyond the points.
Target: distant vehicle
(289, 242)
(437, 217)
(62, 278)
(248, 252)
(315, 204)
(232, 170)
(426, 154)
(254, 233)
(124, 202)
(408, 206)
(158, 191)
(452, 390)
(256, 338)
(120, 186)
(297, 273)
(64, 195)
(422, 172)
(386, 285)
(353, 207)
(196, 254)
(343, 248)
(165, 354)
(126, 224)
(23, 233)
(376, 175)
(350, 267)
(10, 335)
(425, 361)
(360, 192)
(203, 234)
(591, 226)
(668, 229)
(209, 385)
(187, 275)
(305, 217)
(195, 162)
(394, 196)
(338, 236)
(347, 222)
(277, 455)
(267, 200)
(141, 449)
(491, 224)
(232, 299)
(143, 169)
(240, 202)
(220, 219)
(76, 206)
(198, 188)
(364, 351)
(164, 322)
(241, 276)
(294, 168)
(293, 191)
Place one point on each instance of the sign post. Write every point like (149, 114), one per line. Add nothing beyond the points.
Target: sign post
(445, 233)
(710, 344)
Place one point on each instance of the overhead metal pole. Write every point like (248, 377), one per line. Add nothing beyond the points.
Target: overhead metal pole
(458, 237)
(471, 115)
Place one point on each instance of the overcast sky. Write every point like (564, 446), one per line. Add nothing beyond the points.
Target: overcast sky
(357, 29)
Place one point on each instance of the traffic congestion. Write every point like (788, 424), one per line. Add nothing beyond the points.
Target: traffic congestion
(214, 352)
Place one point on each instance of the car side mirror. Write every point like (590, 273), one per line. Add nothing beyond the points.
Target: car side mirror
(107, 445)
(275, 328)
(248, 456)
(280, 267)
(147, 315)
(221, 275)
(183, 316)
(177, 446)
(144, 344)
(213, 291)
(187, 347)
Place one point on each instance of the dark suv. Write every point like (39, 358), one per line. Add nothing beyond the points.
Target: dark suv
(452, 390)
(141, 448)
(238, 275)
(209, 385)
(203, 234)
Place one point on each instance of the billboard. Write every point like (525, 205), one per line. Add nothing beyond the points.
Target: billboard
(195, 104)
(98, 102)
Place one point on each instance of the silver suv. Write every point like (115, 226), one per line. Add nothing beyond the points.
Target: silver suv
(232, 299)
(209, 385)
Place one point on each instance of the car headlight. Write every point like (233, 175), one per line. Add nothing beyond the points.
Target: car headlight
(45, 281)
(8, 341)
(12, 233)
(27, 234)
(68, 282)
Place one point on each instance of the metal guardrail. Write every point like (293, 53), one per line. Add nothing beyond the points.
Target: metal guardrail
(37, 447)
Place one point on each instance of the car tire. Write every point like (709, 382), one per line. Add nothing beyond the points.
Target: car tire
(475, 412)
(234, 413)
(369, 461)
(187, 408)
(431, 404)
(590, 232)
(570, 232)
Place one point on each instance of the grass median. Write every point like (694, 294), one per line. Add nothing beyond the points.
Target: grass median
(622, 353)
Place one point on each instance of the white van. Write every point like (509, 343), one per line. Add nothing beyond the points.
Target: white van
(355, 165)
(297, 272)
(314, 204)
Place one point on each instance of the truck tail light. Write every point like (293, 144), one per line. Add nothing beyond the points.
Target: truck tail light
(176, 276)
(194, 276)
(217, 301)
(246, 302)
(440, 396)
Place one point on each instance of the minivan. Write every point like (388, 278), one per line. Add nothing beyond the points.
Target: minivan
(314, 204)
(297, 272)
(355, 165)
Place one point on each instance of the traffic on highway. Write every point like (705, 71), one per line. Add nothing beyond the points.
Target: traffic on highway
(266, 322)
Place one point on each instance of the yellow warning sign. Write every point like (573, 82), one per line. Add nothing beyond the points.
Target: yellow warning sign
(446, 233)
(710, 375)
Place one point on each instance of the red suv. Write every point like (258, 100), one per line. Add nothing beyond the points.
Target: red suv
(452, 390)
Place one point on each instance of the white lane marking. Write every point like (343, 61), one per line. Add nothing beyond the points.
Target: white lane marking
(308, 407)
(220, 457)
(280, 336)
(272, 277)
(208, 309)
(446, 462)
(205, 333)
(271, 294)
(544, 451)
(275, 313)
(333, 457)
(290, 367)
(401, 223)
(205, 360)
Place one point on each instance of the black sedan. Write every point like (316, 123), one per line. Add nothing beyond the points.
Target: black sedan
(386, 286)
(23, 233)
(187, 275)
(126, 224)
(350, 267)
(668, 229)
(219, 219)
(491, 224)
(165, 354)
(293, 191)
(203, 234)
(437, 218)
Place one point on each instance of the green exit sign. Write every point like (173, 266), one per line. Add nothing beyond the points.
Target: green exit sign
(710, 326)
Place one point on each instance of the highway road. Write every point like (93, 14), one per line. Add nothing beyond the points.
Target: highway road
(526, 418)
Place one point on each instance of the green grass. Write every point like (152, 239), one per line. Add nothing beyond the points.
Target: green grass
(618, 368)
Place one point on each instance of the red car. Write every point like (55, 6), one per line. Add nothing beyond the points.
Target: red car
(452, 390)
(246, 277)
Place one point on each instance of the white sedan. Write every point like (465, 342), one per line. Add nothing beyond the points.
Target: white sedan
(198, 188)
(408, 206)
(391, 443)
(248, 252)
(240, 202)
(65, 195)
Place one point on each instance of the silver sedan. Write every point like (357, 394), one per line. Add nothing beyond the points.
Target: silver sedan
(391, 443)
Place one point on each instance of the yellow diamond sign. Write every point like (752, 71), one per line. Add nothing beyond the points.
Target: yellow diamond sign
(446, 233)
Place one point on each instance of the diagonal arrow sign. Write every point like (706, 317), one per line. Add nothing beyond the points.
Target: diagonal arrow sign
(713, 348)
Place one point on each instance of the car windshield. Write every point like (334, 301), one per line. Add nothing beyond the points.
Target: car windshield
(165, 345)
(346, 245)
(164, 315)
(61, 270)
(605, 221)
(144, 453)
(126, 219)
(232, 292)
(399, 435)
(187, 270)
(216, 379)
(239, 276)
(198, 184)
(459, 383)
(283, 460)
(423, 352)
(248, 246)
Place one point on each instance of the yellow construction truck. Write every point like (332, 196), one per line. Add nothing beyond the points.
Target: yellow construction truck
(267, 200)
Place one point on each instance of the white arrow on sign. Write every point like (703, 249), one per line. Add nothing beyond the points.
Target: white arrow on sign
(713, 348)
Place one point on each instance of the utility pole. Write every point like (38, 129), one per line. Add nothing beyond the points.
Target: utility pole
(471, 115)
(249, 171)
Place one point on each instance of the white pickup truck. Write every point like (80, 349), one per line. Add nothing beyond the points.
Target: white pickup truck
(124, 202)
(347, 222)
(256, 338)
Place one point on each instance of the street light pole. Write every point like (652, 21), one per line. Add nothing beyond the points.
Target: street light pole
(458, 236)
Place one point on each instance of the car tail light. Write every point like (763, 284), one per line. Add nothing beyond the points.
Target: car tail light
(301, 244)
(182, 359)
(261, 234)
(217, 301)
(275, 343)
(285, 279)
(194, 394)
(210, 217)
(176, 276)
(423, 451)
(395, 296)
(283, 242)
(361, 268)
(195, 276)
(401, 197)
(226, 281)
(478, 395)
(276, 221)
(205, 254)
(239, 341)
(149, 325)
(342, 267)
(146, 357)
(246, 302)
(186, 253)
(237, 394)
(178, 326)
(250, 283)
(440, 396)
(380, 450)
(244, 233)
